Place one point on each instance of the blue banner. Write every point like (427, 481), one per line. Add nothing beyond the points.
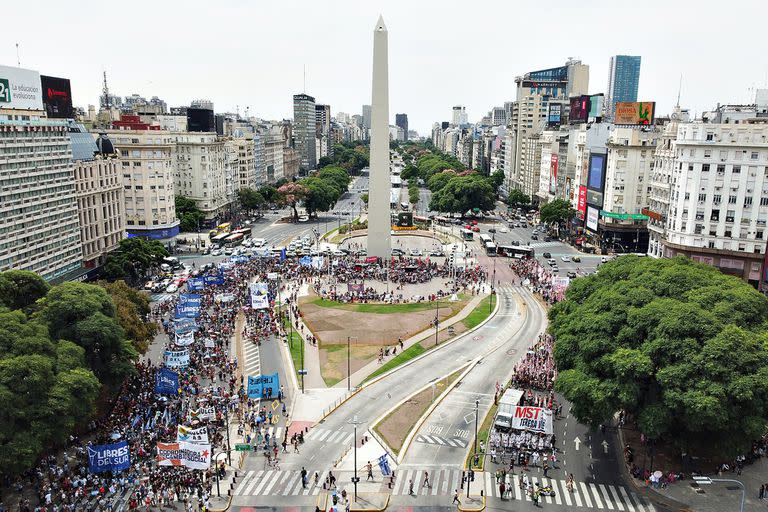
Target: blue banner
(182, 325)
(190, 299)
(264, 386)
(384, 465)
(196, 283)
(109, 457)
(305, 261)
(187, 311)
(166, 382)
(215, 279)
(239, 258)
(282, 254)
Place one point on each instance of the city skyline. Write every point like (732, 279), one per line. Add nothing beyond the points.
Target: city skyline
(169, 66)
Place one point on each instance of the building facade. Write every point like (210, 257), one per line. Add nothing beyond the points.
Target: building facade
(200, 173)
(323, 130)
(401, 120)
(623, 81)
(304, 130)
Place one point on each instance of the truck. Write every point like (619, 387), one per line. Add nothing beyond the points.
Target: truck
(509, 400)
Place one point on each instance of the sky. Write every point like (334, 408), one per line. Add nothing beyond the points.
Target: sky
(240, 53)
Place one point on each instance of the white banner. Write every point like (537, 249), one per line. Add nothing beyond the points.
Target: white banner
(194, 456)
(535, 419)
(259, 297)
(185, 339)
(192, 435)
(202, 414)
(209, 343)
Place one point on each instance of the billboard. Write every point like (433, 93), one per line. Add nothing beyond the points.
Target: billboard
(200, 120)
(20, 89)
(596, 178)
(554, 114)
(582, 203)
(57, 97)
(579, 109)
(596, 105)
(592, 217)
(634, 112)
(553, 174)
(404, 219)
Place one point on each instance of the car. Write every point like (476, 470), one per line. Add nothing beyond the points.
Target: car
(572, 274)
(172, 288)
(468, 226)
(436, 252)
(576, 259)
(228, 251)
(547, 255)
(515, 242)
(476, 229)
(415, 252)
(492, 230)
(338, 252)
(216, 252)
(474, 223)
(555, 269)
(547, 238)
(397, 252)
(552, 262)
(504, 230)
(565, 258)
(303, 218)
(605, 259)
(534, 237)
(523, 224)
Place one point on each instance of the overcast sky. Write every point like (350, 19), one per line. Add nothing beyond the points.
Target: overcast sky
(441, 53)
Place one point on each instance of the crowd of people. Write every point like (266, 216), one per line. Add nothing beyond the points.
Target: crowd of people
(540, 279)
(536, 370)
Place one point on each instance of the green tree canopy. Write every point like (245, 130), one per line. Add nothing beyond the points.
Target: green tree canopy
(337, 176)
(350, 156)
(678, 345)
(557, 212)
(269, 193)
(189, 214)
(250, 199)
(439, 180)
(462, 193)
(133, 258)
(497, 179)
(518, 198)
(19, 289)
(321, 195)
(132, 308)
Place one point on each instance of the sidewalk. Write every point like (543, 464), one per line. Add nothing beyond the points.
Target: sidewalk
(360, 375)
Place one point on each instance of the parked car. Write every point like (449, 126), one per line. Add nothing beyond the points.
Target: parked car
(216, 252)
(476, 229)
(172, 288)
(547, 255)
(555, 269)
(534, 237)
(572, 274)
(576, 259)
(397, 252)
(552, 262)
(415, 252)
(565, 258)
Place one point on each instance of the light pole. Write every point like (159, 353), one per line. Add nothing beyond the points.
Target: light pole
(705, 480)
(355, 479)
(349, 362)
(226, 425)
(437, 318)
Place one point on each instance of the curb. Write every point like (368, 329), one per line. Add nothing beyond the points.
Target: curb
(351, 394)
(430, 409)
(430, 351)
(473, 509)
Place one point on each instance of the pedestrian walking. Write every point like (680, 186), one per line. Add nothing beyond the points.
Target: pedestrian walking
(369, 468)
(502, 489)
(545, 467)
(303, 477)
(410, 488)
(455, 497)
(426, 480)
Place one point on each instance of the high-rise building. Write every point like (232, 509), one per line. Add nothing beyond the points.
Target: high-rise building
(623, 79)
(323, 129)
(200, 172)
(304, 129)
(459, 117)
(367, 117)
(401, 120)
(498, 116)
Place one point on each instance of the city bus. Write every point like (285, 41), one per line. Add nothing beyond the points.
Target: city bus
(246, 232)
(484, 239)
(219, 239)
(490, 248)
(467, 234)
(516, 251)
(234, 239)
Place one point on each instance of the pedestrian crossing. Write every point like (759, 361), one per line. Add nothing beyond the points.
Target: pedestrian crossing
(252, 362)
(553, 243)
(329, 436)
(443, 441)
(443, 482)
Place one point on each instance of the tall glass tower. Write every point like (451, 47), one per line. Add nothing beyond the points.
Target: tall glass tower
(623, 79)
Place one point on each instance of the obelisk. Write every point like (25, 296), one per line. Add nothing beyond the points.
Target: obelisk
(379, 224)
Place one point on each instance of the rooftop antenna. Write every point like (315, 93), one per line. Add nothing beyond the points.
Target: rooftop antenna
(679, 88)
(305, 79)
(106, 92)
(18, 60)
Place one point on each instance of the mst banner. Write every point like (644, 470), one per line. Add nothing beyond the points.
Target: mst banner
(193, 456)
(535, 419)
(109, 457)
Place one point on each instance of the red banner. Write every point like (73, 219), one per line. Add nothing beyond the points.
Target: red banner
(582, 204)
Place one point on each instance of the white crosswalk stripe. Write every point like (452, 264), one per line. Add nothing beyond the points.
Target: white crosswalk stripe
(329, 436)
(553, 243)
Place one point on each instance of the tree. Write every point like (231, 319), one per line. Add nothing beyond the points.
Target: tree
(132, 307)
(462, 193)
(250, 199)
(557, 212)
(337, 176)
(269, 193)
(321, 194)
(133, 258)
(679, 346)
(290, 194)
(86, 314)
(364, 198)
(518, 198)
(19, 289)
(497, 180)
(439, 180)
(189, 214)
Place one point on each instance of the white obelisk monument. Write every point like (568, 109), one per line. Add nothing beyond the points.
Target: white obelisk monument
(379, 224)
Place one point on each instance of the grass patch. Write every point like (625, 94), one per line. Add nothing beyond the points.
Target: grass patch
(480, 313)
(294, 344)
(333, 366)
(406, 355)
(377, 309)
(394, 428)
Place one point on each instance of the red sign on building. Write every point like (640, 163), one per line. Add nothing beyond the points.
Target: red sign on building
(582, 204)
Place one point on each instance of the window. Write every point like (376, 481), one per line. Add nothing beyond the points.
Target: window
(716, 199)
(702, 197)
(710, 136)
(711, 244)
(720, 169)
(729, 215)
(736, 169)
(747, 202)
(764, 201)
(704, 167)
(727, 233)
(687, 195)
(715, 215)
(759, 235)
(754, 155)
(731, 199)
(723, 154)
(707, 153)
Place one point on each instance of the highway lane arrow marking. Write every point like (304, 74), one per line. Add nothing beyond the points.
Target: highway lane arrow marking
(578, 442)
(605, 447)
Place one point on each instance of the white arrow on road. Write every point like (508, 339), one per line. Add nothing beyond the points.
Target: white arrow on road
(605, 446)
(578, 442)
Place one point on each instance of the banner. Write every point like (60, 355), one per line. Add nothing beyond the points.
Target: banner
(187, 311)
(182, 325)
(239, 258)
(355, 287)
(185, 339)
(535, 419)
(203, 413)
(305, 261)
(384, 465)
(177, 358)
(317, 262)
(263, 386)
(193, 456)
(224, 297)
(109, 457)
(209, 343)
(192, 435)
(262, 252)
(195, 283)
(259, 298)
(166, 382)
(192, 299)
(215, 279)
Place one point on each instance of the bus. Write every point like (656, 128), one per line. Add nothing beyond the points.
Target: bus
(516, 251)
(221, 229)
(405, 206)
(467, 234)
(484, 239)
(490, 248)
(246, 232)
(219, 239)
(234, 239)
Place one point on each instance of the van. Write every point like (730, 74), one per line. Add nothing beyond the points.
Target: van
(258, 242)
(503, 422)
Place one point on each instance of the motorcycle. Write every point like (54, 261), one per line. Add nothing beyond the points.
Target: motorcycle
(547, 491)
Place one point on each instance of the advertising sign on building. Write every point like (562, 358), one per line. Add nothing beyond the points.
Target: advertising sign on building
(534, 419)
(634, 112)
(554, 114)
(57, 97)
(596, 178)
(582, 203)
(553, 174)
(20, 89)
(592, 217)
(579, 109)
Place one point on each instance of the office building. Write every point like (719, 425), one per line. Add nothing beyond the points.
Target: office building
(323, 130)
(459, 116)
(367, 117)
(401, 120)
(304, 130)
(623, 80)
(268, 157)
(200, 172)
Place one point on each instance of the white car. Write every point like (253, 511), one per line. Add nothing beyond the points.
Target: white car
(304, 218)
(216, 252)
(503, 230)
(338, 252)
(605, 259)
(566, 258)
(415, 252)
(172, 288)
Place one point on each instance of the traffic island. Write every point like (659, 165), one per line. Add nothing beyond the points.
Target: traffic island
(366, 501)
(473, 503)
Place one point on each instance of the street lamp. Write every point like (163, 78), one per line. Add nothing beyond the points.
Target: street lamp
(355, 479)
(705, 480)
(349, 362)
(437, 318)
(471, 462)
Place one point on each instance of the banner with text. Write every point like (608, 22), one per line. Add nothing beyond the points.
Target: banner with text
(535, 419)
(166, 382)
(109, 457)
(263, 386)
(193, 456)
(192, 435)
(185, 339)
(196, 283)
(259, 297)
(177, 358)
(214, 279)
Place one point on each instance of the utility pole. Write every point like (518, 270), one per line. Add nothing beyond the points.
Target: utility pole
(355, 479)
(437, 318)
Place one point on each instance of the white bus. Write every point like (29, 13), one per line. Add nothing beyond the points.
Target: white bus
(484, 239)
(490, 248)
